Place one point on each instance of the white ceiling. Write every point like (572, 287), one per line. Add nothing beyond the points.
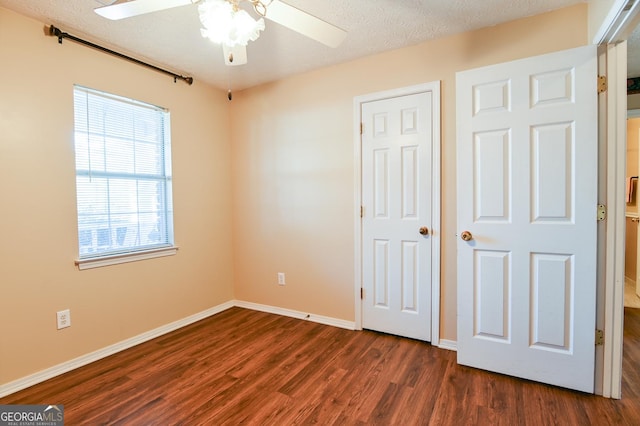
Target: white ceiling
(172, 39)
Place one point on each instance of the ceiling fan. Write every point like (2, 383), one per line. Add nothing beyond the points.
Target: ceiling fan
(225, 23)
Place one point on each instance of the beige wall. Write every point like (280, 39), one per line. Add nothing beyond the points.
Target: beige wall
(293, 165)
(633, 135)
(633, 138)
(38, 217)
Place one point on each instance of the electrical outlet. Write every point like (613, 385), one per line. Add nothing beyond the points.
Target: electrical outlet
(64, 318)
(281, 278)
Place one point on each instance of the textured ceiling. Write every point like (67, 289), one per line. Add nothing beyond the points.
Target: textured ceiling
(172, 39)
(633, 54)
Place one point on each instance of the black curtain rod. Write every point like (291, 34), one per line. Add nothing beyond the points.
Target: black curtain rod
(53, 31)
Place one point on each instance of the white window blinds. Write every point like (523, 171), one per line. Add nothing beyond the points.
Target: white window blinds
(123, 174)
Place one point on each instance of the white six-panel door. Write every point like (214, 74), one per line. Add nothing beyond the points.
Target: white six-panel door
(527, 193)
(396, 196)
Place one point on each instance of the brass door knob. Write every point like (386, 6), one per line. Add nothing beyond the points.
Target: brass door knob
(466, 236)
(424, 230)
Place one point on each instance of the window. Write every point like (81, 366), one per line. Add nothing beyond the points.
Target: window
(123, 178)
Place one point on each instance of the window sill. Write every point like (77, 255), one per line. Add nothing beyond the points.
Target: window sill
(116, 259)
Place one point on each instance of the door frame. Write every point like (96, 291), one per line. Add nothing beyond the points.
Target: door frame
(611, 36)
(611, 243)
(434, 88)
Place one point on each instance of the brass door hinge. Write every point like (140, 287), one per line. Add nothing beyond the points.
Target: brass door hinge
(602, 83)
(602, 212)
(361, 128)
(361, 211)
(599, 337)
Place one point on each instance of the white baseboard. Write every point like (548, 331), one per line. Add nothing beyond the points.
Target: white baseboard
(451, 345)
(67, 366)
(335, 322)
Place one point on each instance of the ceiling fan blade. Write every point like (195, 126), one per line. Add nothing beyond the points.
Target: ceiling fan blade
(129, 9)
(236, 55)
(305, 24)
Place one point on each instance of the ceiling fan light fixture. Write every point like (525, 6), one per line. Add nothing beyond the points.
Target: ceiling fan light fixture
(225, 24)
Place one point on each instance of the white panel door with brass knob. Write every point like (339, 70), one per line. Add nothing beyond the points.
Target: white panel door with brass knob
(527, 199)
(396, 225)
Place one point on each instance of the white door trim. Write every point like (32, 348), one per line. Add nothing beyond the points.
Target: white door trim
(612, 245)
(434, 88)
(616, 27)
(619, 23)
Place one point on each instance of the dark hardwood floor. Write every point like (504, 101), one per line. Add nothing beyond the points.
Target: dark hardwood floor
(246, 367)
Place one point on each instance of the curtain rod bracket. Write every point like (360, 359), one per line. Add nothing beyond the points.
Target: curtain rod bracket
(53, 31)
